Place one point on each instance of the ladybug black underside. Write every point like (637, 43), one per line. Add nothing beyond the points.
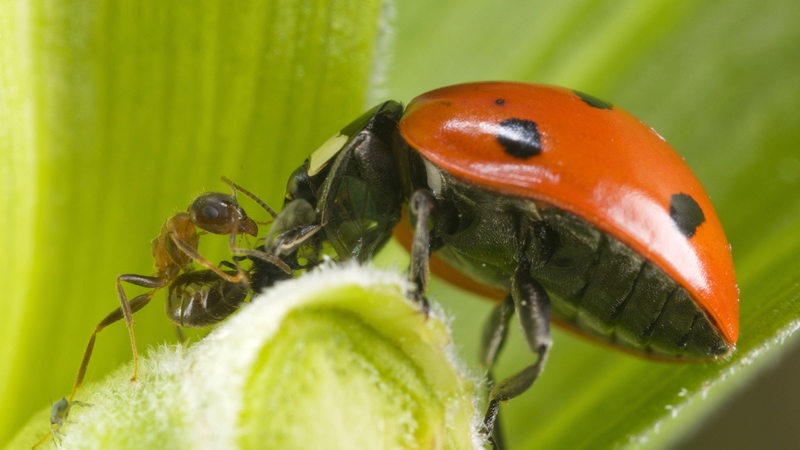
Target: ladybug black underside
(597, 284)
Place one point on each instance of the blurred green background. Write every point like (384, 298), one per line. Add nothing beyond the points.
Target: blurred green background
(113, 115)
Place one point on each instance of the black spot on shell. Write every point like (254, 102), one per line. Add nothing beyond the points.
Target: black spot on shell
(520, 138)
(593, 101)
(686, 213)
(500, 101)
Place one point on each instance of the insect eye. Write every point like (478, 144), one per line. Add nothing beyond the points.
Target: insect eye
(213, 212)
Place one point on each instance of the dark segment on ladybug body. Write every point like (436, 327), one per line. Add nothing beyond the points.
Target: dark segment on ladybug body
(686, 213)
(519, 138)
(570, 206)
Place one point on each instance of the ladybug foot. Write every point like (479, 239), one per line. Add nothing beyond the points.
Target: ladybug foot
(420, 300)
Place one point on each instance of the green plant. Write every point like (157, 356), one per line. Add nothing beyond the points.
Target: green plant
(114, 115)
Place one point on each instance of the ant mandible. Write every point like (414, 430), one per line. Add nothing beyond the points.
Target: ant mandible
(174, 251)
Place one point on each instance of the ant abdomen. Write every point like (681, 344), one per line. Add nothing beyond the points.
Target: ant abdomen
(201, 298)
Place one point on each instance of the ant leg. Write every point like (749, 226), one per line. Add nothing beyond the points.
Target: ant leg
(192, 253)
(134, 305)
(274, 259)
(233, 248)
(421, 206)
(533, 307)
(127, 308)
(494, 336)
(125, 311)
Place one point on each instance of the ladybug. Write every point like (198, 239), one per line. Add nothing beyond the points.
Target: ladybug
(563, 204)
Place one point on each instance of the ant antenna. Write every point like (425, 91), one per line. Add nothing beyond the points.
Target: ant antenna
(235, 187)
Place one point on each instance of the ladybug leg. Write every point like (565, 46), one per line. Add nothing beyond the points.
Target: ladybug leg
(495, 331)
(492, 341)
(420, 206)
(533, 307)
(295, 225)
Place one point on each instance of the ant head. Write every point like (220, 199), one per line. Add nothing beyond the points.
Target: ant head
(220, 214)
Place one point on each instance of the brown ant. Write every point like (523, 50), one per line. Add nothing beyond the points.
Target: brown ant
(196, 298)
(191, 291)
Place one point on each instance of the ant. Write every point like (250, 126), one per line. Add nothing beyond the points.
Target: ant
(197, 297)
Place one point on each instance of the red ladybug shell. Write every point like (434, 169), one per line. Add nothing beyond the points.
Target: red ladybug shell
(592, 160)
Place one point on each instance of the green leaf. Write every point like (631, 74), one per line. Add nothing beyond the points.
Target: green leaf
(719, 80)
(113, 115)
